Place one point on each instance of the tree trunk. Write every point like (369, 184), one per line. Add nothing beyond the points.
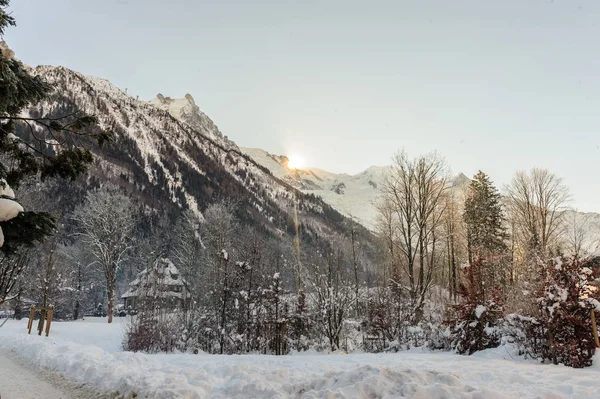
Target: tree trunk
(453, 268)
(450, 293)
(111, 302)
(76, 310)
(355, 264)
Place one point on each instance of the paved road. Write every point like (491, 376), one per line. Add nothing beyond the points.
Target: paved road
(21, 380)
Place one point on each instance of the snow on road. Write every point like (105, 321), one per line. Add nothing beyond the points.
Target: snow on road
(22, 380)
(89, 352)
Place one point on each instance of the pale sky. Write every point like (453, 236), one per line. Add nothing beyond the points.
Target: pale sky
(492, 85)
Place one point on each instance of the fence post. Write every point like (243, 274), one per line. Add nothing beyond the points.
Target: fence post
(595, 328)
(31, 316)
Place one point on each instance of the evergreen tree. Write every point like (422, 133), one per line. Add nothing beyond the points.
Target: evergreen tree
(484, 218)
(55, 150)
(20, 159)
(484, 222)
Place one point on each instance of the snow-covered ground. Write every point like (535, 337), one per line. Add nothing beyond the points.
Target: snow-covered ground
(90, 351)
(20, 379)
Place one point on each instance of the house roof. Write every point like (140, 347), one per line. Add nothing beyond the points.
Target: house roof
(162, 273)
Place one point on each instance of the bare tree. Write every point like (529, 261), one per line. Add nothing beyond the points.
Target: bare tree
(451, 230)
(107, 219)
(386, 227)
(536, 202)
(581, 233)
(333, 296)
(218, 233)
(412, 207)
(186, 248)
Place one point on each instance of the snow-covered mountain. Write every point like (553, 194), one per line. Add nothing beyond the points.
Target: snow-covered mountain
(353, 195)
(171, 155)
(168, 150)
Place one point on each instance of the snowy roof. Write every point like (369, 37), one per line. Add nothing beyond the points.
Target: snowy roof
(163, 274)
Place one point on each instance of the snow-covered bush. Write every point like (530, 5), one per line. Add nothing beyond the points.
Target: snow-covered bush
(561, 332)
(388, 324)
(527, 333)
(152, 333)
(478, 315)
(565, 302)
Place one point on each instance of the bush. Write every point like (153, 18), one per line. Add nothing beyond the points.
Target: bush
(151, 334)
(565, 302)
(478, 316)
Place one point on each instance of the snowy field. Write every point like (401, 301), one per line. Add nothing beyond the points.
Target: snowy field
(90, 352)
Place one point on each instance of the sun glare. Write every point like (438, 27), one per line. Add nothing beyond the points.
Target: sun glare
(295, 162)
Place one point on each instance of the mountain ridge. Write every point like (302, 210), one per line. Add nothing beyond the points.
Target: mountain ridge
(173, 164)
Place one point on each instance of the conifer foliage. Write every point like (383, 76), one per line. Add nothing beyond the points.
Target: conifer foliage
(56, 149)
(484, 218)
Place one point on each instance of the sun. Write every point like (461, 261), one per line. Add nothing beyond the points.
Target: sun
(295, 162)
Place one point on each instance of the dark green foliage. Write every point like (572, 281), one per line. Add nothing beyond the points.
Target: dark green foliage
(5, 18)
(27, 229)
(484, 218)
(51, 149)
(69, 164)
(18, 88)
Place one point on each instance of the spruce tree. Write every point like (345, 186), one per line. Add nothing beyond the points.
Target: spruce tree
(484, 219)
(55, 148)
(34, 159)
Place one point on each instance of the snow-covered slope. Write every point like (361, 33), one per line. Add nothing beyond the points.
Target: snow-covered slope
(353, 195)
(186, 110)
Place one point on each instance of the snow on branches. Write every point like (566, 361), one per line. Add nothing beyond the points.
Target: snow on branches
(9, 208)
(478, 314)
(565, 302)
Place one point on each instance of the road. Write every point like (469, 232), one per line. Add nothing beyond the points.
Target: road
(21, 380)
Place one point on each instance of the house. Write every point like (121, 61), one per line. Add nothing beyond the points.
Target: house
(160, 285)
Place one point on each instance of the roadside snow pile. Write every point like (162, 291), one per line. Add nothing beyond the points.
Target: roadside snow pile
(89, 352)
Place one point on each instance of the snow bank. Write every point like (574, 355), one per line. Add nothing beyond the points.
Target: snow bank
(123, 372)
(90, 352)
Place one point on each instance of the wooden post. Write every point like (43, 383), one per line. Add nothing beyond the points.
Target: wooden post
(31, 316)
(595, 328)
(50, 311)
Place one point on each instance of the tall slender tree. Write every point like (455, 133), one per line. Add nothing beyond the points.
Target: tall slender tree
(536, 201)
(107, 219)
(411, 209)
(484, 218)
